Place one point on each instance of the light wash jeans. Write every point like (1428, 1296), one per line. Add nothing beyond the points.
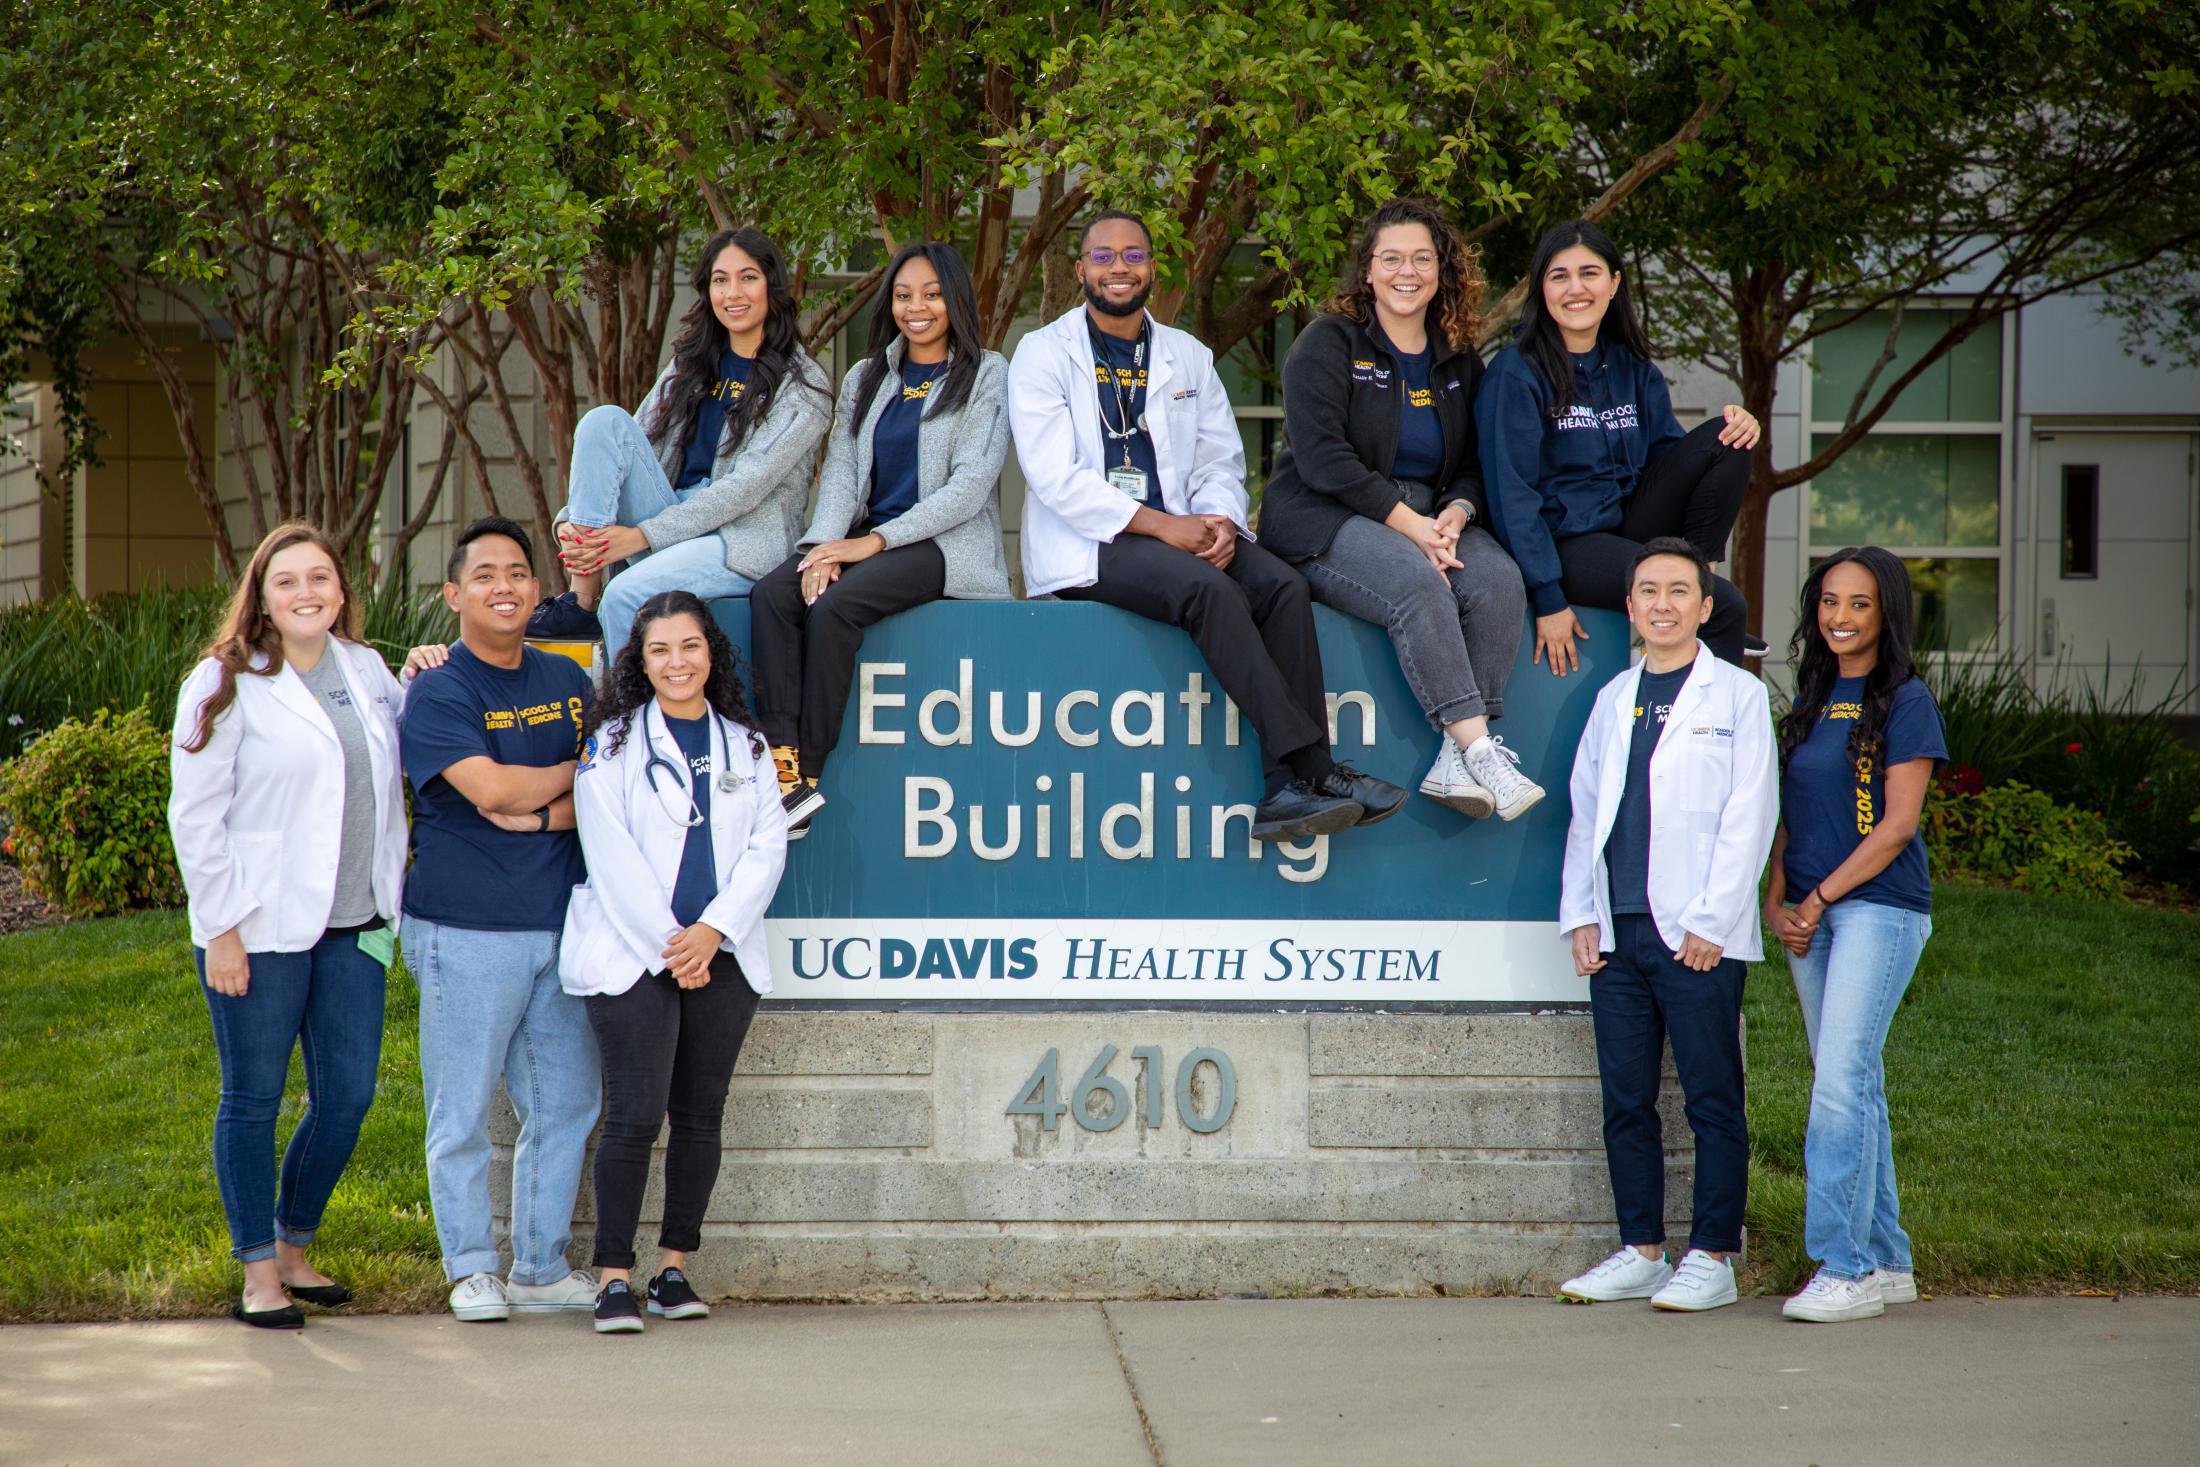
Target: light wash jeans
(490, 1005)
(616, 480)
(1849, 983)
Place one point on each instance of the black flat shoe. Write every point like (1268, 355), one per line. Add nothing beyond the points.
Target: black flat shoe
(286, 1317)
(328, 1296)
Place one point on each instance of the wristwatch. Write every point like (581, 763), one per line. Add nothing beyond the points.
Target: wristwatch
(544, 815)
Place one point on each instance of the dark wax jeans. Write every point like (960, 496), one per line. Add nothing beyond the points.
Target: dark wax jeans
(1642, 996)
(667, 1051)
(328, 999)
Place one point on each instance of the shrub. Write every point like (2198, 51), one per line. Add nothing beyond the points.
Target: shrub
(88, 806)
(2013, 833)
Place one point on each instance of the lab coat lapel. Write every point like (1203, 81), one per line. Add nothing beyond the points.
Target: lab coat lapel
(291, 691)
(1694, 689)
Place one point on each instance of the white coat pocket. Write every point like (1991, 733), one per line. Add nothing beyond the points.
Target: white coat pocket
(1706, 773)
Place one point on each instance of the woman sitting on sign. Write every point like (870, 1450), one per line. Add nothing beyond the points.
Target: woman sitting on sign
(681, 824)
(908, 511)
(1583, 459)
(701, 488)
(1377, 494)
(287, 809)
(1857, 753)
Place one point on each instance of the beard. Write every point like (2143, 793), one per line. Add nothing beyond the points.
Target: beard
(1107, 307)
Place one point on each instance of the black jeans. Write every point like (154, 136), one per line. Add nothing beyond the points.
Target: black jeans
(1693, 489)
(1254, 623)
(1641, 996)
(805, 656)
(667, 1050)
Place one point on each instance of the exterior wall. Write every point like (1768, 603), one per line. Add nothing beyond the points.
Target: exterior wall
(33, 559)
(870, 1156)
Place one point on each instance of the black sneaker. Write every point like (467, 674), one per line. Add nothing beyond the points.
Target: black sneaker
(1379, 798)
(563, 619)
(616, 1311)
(1302, 810)
(801, 802)
(670, 1296)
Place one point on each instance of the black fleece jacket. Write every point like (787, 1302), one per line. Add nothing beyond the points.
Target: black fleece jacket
(1341, 402)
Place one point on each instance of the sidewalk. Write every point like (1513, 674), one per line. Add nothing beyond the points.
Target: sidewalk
(1395, 1382)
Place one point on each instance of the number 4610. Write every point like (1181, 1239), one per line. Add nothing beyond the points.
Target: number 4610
(1037, 1095)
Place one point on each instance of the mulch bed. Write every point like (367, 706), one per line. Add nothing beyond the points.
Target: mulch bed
(18, 908)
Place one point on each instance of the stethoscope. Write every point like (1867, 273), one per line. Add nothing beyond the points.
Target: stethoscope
(728, 781)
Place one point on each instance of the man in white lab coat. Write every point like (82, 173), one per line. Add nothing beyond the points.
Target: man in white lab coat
(1675, 798)
(1136, 497)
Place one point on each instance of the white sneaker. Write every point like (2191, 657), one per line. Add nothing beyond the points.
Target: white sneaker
(1828, 1300)
(1625, 1275)
(1448, 783)
(1703, 1281)
(480, 1296)
(1895, 1288)
(577, 1290)
(1497, 769)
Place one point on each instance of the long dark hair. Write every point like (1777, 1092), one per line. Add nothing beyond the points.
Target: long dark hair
(1456, 308)
(247, 633)
(1538, 335)
(964, 343)
(703, 339)
(1816, 667)
(626, 688)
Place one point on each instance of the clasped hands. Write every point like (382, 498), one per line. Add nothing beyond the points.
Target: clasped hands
(688, 955)
(585, 550)
(821, 566)
(1211, 537)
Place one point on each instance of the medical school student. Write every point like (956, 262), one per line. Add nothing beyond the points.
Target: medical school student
(701, 488)
(908, 511)
(287, 809)
(490, 739)
(1136, 497)
(1377, 494)
(1851, 899)
(1674, 806)
(664, 947)
(1583, 459)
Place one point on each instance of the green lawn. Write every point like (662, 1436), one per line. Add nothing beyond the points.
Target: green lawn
(2041, 1074)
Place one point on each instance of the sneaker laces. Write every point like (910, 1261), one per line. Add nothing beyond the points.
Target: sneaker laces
(1500, 776)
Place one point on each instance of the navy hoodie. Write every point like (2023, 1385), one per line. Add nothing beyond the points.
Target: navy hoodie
(1547, 477)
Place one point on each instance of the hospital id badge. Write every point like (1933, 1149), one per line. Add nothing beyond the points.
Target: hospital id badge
(1131, 481)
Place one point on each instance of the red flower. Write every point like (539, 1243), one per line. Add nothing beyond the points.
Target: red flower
(1961, 779)
(2073, 748)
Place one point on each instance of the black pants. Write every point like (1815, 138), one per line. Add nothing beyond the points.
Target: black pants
(805, 656)
(1693, 489)
(1254, 623)
(1642, 995)
(667, 1050)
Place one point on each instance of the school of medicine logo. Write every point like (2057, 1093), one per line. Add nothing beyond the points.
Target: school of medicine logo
(729, 389)
(1866, 815)
(919, 392)
(1420, 397)
(1125, 377)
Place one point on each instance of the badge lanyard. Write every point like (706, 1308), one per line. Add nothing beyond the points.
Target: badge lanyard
(1126, 476)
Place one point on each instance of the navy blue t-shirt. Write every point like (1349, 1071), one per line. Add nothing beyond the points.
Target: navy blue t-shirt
(1830, 800)
(466, 872)
(697, 882)
(894, 441)
(710, 419)
(1627, 848)
(1420, 435)
(1121, 367)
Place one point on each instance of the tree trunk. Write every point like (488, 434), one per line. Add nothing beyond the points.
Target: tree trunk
(1760, 322)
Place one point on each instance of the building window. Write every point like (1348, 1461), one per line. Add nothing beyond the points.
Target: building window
(2081, 522)
(1926, 482)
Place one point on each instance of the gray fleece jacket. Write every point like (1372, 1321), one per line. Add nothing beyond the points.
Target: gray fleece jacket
(756, 492)
(959, 457)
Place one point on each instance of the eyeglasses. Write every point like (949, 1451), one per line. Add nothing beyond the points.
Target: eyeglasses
(1105, 257)
(1390, 262)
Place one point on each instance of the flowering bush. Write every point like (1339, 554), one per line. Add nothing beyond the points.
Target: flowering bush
(2016, 834)
(87, 805)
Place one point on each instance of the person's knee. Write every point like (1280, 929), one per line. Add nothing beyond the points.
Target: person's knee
(1728, 606)
(600, 424)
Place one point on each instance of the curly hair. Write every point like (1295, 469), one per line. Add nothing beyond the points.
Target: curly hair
(626, 687)
(1459, 284)
(703, 337)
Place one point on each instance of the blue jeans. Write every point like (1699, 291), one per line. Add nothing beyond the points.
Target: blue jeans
(328, 998)
(1849, 983)
(1642, 996)
(490, 1005)
(616, 480)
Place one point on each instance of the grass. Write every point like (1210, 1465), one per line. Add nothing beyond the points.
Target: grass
(2040, 1076)
(108, 1083)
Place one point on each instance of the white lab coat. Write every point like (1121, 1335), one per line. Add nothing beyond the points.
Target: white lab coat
(257, 815)
(1714, 802)
(619, 921)
(1054, 413)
